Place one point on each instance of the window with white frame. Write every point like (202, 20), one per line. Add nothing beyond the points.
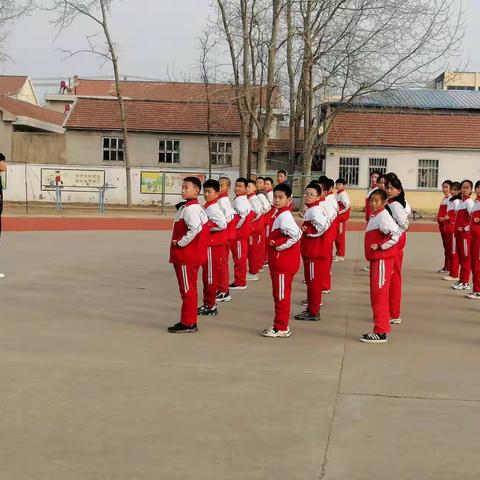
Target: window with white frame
(427, 173)
(221, 152)
(112, 149)
(376, 165)
(168, 151)
(349, 170)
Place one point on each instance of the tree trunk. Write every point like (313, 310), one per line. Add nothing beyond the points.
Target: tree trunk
(121, 104)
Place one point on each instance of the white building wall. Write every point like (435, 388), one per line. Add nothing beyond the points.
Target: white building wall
(455, 165)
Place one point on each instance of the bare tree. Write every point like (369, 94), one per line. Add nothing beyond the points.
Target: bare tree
(9, 11)
(98, 12)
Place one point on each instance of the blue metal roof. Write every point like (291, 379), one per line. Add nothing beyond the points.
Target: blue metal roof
(423, 99)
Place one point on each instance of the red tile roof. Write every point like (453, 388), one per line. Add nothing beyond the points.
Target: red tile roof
(24, 109)
(148, 116)
(11, 84)
(164, 91)
(405, 130)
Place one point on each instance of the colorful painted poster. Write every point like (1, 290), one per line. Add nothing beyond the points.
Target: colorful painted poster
(50, 177)
(173, 181)
(151, 182)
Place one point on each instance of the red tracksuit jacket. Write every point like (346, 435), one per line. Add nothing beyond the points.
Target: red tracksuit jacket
(475, 226)
(217, 224)
(257, 224)
(315, 224)
(343, 201)
(462, 219)
(383, 231)
(230, 216)
(191, 232)
(451, 215)
(442, 209)
(284, 256)
(245, 214)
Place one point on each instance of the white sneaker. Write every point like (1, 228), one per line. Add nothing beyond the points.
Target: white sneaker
(2, 275)
(326, 292)
(443, 270)
(272, 332)
(366, 269)
(252, 277)
(461, 286)
(336, 258)
(473, 296)
(396, 321)
(451, 279)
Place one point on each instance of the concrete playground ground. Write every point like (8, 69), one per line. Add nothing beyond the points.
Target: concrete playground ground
(94, 388)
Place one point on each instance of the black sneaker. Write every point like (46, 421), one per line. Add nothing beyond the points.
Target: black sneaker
(374, 338)
(234, 286)
(209, 312)
(181, 328)
(223, 297)
(307, 316)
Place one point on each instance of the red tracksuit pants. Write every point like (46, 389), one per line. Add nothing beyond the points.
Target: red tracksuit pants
(211, 274)
(327, 277)
(380, 285)
(452, 254)
(314, 269)
(256, 252)
(463, 248)
(475, 259)
(224, 271)
(396, 285)
(340, 241)
(282, 293)
(187, 283)
(446, 251)
(239, 249)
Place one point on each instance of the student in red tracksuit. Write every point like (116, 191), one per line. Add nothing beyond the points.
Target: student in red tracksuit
(269, 214)
(398, 208)
(449, 229)
(330, 207)
(313, 247)
(263, 196)
(442, 211)
(256, 245)
(381, 239)
(475, 246)
(223, 294)
(283, 260)
(373, 186)
(188, 251)
(217, 239)
(343, 201)
(463, 236)
(239, 246)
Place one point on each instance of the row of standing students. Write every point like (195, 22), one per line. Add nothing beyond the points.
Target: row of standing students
(253, 227)
(459, 224)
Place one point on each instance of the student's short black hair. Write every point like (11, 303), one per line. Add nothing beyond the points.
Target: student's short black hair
(269, 179)
(448, 182)
(229, 182)
(382, 175)
(477, 184)
(469, 182)
(322, 178)
(282, 171)
(212, 184)
(375, 172)
(195, 181)
(341, 180)
(261, 178)
(331, 183)
(323, 182)
(2, 157)
(282, 187)
(316, 186)
(458, 186)
(380, 193)
(242, 180)
(251, 182)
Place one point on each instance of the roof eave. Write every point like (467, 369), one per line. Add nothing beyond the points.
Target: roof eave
(39, 124)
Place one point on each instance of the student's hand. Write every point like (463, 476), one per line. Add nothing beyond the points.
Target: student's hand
(446, 217)
(375, 247)
(174, 243)
(304, 228)
(466, 229)
(476, 219)
(460, 229)
(272, 243)
(301, 214)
